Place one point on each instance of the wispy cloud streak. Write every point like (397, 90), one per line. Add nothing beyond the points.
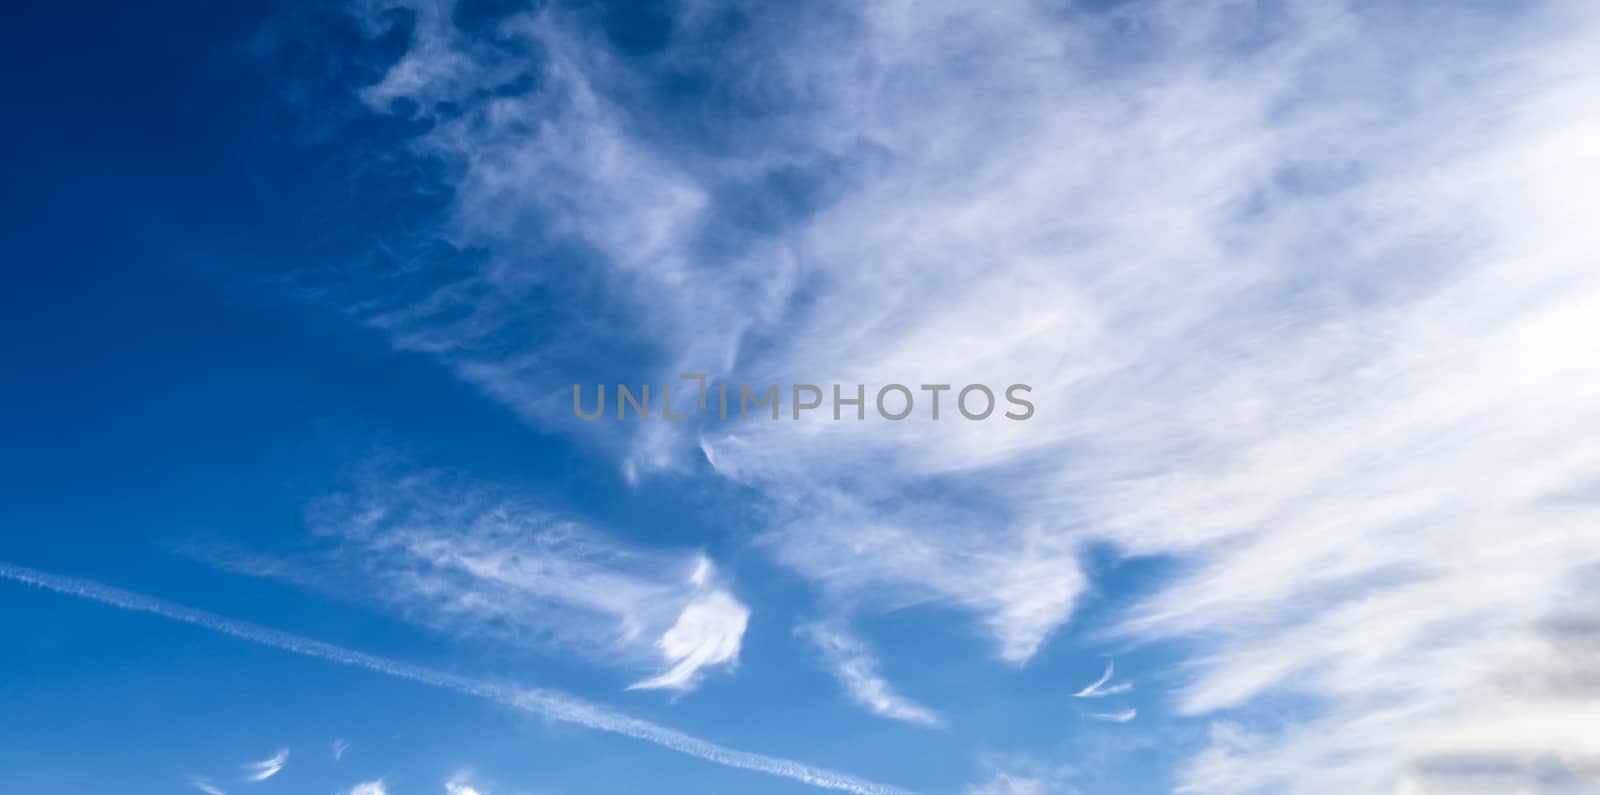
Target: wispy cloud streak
(205, 785)
(544, 703)
(1102, 687)
(1121, 716)
(267, 768)
(472, 558)
(857, 671)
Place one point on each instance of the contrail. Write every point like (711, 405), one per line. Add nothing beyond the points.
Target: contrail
(545, 703)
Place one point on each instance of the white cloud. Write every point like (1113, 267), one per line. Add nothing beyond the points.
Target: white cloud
(205, 785)
(458, 787)
(857, 670)
(471, 558)
(1006, 784)
(542, 172)
(1016, 773)
(1102, 687)
(1120, 716)
(1306, 303)
(889, 556)
(339, 747)
(707, 633)
(267, 768)
(369, 788)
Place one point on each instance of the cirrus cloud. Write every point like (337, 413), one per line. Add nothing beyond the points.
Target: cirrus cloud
(1305, 305)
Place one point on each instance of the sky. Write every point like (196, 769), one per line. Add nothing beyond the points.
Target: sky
(304, 307)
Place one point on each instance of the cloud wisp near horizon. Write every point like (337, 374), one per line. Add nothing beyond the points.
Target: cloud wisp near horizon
(546, 703)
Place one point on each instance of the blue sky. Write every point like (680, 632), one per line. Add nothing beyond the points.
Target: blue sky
(294, 498)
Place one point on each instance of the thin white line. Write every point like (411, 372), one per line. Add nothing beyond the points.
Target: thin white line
(547, 703)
